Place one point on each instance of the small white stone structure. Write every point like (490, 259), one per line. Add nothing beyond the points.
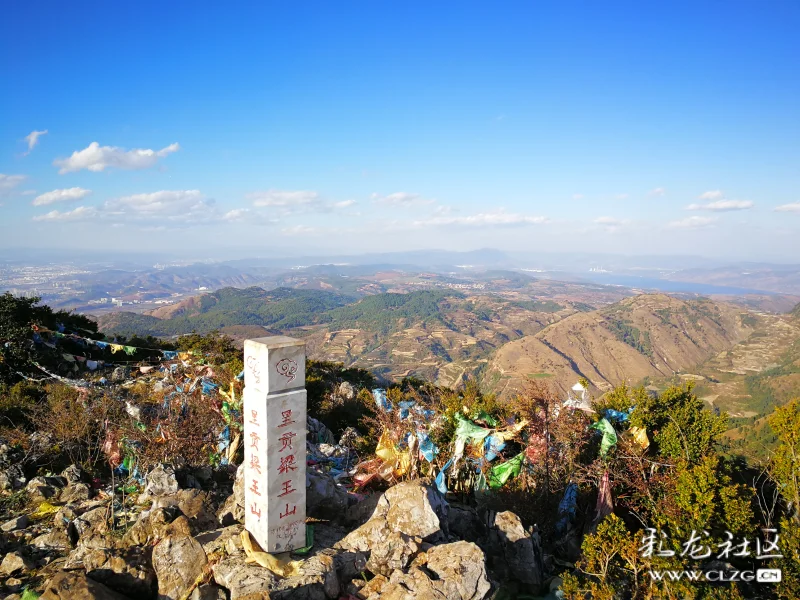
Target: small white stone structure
(275, 442)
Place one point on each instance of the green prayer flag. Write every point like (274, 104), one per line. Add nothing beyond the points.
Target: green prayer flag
(609, 435)
(468, 430)
(486, 417)
(500, 474)
(129, 350)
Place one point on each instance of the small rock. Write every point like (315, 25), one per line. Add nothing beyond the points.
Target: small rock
(56, 539)
(373, 587)
(161, 481)
(120, 374)
(74, 474)
(317, 580)
(14, 562)
(346, 390)
(20, 522)
(208, 591)
(70, 585)
(76, 492)
(243, 579)
(14, 584)
(12, 478)
(194, 504)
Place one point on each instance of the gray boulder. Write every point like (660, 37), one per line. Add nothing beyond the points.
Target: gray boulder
(178, 560)
(325, 499)
(514, 550)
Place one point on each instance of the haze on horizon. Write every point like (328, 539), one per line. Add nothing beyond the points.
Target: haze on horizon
(344, 128)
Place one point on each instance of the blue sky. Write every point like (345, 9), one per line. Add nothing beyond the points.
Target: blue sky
(346, 127)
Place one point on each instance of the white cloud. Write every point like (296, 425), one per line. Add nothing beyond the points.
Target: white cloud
(693, 222)
(237, 214)
(82, 213)
(400, 199)
(659, 191)
(489, 219)
(175, 205)
(9, 182)
(97, 158)
(344, 204)
(723, 205)
(793, 207)
(711, 195)
(298, 230)
(64, 195)
(621, 196)
(33, 138)
(577, 196)
(284, 199)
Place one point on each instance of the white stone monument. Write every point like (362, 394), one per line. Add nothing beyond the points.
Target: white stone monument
(275, 442)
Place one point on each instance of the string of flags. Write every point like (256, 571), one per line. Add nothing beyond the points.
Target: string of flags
(102, 345)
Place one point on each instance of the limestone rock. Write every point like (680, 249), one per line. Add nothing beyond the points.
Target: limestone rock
(161, 481)
(226, 540)
(208, 591)
(76, 492)
(461, 570)
(243, 579)
(12, 477)
(44, 487)
(126, 571)
(394, 552)
(20, 522)
(178, 560)
(413, 508)
(151, 525)
(459, 573)
(366, 537)
(55, 539)
(465, 523)
(69, 585)
(324, 498)
(194, 504)
(14, 562)
(373, 587)
(510, 540)
(233, 509)
(120, 374)
(416, 509)
(317, 580)
(74, 474)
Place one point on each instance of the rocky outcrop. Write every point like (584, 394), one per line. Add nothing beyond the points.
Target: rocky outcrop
(516, 554)
(69, 585)
(178, 560)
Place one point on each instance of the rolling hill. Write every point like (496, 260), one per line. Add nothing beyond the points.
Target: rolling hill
(651, 335)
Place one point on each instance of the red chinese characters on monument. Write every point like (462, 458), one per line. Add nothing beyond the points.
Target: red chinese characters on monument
(255, 464)
(288, 462)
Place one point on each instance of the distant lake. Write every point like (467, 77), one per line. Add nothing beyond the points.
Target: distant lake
(666, 286)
